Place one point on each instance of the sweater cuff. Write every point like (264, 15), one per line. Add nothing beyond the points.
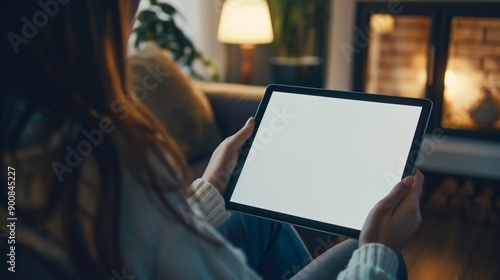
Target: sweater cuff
(205, 198)
(376, 255)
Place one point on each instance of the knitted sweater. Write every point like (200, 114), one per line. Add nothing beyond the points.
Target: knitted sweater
(371, 261)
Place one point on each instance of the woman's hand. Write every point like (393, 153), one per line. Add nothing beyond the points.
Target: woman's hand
(395, 218)
(224, 158)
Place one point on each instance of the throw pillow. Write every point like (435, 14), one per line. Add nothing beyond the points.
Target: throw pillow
(176, 101)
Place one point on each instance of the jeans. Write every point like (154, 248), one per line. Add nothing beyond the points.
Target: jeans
(273, 249)
(276, 251)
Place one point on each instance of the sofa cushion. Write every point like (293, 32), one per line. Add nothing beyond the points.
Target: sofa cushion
(176, 101)
(237, 101)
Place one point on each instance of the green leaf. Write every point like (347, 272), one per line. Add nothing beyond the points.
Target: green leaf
(167, 35)
(168, 9)
(166, 27)
(146, 16)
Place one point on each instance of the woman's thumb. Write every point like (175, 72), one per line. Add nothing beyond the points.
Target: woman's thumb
(399, 191)
(239, 138)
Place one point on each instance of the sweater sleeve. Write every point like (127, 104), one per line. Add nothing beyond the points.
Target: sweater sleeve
(206, 199)
(371, 261)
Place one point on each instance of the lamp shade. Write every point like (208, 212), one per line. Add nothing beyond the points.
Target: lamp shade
(245, 22)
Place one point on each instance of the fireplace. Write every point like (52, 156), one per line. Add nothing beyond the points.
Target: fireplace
(447, 52)
(472, 77)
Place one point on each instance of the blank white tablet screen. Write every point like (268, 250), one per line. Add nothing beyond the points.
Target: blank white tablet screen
(326, 159)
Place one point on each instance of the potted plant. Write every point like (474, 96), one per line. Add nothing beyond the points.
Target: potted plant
(299, 39)
(157, 23)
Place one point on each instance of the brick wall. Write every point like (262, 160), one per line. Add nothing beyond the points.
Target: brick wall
(397, 61)
(477, 42)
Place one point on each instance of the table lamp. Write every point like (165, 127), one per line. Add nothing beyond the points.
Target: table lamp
(245, 22)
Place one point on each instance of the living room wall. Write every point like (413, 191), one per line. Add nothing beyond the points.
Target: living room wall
(201, 19)
(200, 22)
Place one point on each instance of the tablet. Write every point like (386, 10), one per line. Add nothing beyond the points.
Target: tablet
(322, 159)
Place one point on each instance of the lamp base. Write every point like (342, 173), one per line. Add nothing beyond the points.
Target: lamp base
(246, 62)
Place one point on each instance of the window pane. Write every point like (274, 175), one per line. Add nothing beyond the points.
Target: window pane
(472, 79)
(397, 55)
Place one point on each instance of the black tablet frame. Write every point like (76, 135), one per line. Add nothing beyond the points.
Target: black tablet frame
(412, 158)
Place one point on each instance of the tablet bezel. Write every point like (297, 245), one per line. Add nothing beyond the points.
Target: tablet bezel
(425, 104)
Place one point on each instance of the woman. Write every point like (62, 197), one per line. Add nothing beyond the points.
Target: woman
(120, 202)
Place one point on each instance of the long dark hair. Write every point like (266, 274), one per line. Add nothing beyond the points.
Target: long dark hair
(69, 69)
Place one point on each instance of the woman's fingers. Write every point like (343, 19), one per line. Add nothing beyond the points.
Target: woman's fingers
(238, 139)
